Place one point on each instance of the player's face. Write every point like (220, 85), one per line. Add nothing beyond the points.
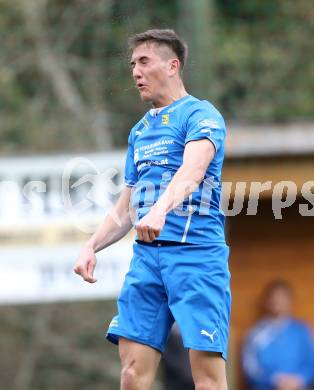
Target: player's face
(151, 72)
(279, 303)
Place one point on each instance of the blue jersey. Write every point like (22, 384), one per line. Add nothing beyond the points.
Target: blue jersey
(155, 153)
(278, 347)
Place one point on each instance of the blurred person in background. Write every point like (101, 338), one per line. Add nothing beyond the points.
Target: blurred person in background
(278, 352)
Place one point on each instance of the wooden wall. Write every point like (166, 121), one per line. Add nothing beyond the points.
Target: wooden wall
(263, 249)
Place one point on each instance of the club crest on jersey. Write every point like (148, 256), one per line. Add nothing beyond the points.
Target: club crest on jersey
(165, 119)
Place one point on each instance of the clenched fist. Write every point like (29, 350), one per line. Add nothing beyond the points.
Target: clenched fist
(86, 264)
(150, 226)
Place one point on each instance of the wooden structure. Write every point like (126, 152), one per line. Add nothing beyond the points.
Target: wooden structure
(264, 248)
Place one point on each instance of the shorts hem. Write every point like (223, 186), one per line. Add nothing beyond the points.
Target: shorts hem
(113, 337)
(207, 349)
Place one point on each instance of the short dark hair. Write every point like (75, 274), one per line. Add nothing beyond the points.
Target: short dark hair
(166, 37)
(277, 284)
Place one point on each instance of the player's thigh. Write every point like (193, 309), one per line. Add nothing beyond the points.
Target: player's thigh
(143, 312)
(141, 359)
(199, 297)
(208, 370)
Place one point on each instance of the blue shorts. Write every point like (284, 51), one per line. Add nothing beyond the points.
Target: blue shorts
(188, 284)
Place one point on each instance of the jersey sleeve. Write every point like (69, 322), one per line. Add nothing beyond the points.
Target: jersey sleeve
(256, 374)
(130, 171)
(205, 122)
(306, 367)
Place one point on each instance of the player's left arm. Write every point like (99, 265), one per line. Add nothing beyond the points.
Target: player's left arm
(196, 159)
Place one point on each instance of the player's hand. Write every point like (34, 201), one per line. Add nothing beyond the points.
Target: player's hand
(150, 226)
(86, 264)
(289, 382)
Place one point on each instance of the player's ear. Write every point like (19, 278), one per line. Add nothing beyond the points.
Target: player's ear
(174, 66)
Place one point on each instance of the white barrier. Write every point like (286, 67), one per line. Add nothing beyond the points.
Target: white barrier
(54, 188)
(45, 274)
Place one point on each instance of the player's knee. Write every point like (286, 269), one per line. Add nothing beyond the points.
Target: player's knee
(132, 379)
(129, 378)
(210, 384)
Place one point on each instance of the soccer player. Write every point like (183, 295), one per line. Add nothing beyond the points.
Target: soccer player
(179, 270)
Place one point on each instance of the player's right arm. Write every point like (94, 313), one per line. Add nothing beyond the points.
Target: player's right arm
(115, 226)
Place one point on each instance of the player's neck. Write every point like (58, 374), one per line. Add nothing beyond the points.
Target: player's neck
(169, 96)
